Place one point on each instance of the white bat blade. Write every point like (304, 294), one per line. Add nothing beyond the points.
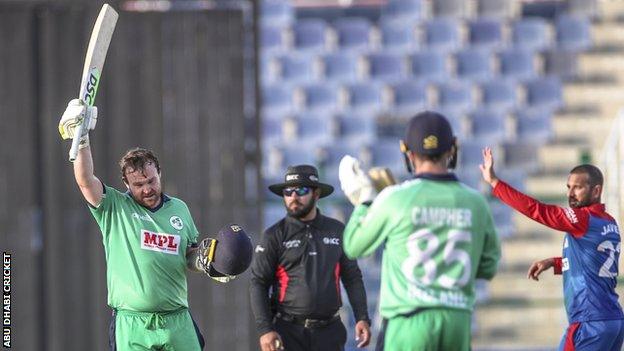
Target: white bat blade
(94, 63)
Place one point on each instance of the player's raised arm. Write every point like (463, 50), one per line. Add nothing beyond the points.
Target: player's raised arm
(76, 114)
(572, 220)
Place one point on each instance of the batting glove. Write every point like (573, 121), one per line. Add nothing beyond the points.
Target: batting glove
(76, 114)
(356, 184)
(207, 251)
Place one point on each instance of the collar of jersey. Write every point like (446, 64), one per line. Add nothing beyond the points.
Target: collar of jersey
(432, 176)
(298, 224)
(164, 199)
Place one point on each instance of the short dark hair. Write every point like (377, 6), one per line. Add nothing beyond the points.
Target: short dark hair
(136, 159)
(593, 173)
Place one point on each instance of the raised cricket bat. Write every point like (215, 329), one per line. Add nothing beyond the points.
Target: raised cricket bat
(93, 65)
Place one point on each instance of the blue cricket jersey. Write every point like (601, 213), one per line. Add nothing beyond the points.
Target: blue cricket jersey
(591, 253)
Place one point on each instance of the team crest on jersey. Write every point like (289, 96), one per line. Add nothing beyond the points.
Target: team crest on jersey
(160, 242)
(176, 222)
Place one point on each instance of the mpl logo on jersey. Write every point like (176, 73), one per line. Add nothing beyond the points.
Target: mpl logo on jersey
(160, 242)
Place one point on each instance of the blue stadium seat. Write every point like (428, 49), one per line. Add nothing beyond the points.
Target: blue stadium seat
(353, 33)
(397, 36)
(404, 11)
(489, 126)
(387, 67)
(367, 97)
(315, 129)
(409, 96)
(449, 8)
(276, 12)
(341, 67)
(474, 65)
(297, 68)
(430, 66)
(300, 153)
(334, 152)
(442, 34)
(470, 155)
(522, 155)
(310, 34)
(534, 126)
(573, 32)
(386, 153)
(531, 33)
(544, 92)
(517, 63)
(499, 95)
(561, 63)
(357, 128)
(271, 130)
(321, 97)
(271, 39)
(277, 99)
(455, 96)
(486, 32)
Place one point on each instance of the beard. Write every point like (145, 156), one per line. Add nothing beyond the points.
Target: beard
(301, 211)
(574, 203)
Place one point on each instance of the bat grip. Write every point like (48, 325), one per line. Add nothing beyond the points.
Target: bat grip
(73, 152)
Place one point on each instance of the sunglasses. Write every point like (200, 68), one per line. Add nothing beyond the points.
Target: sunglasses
(300, 191)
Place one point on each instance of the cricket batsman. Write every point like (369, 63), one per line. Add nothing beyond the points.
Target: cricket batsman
(438, 237)
(150, 240)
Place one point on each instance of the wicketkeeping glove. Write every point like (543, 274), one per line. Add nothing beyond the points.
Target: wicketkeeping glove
(354, 182)
(75, 114)
(381, 177)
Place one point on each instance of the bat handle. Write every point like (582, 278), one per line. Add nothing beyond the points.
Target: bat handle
(73, 152)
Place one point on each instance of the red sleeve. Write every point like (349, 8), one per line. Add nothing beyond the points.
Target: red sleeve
(558, 266)
(571, 220)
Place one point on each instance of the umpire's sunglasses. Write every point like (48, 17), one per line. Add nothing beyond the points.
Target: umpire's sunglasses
(300, 191)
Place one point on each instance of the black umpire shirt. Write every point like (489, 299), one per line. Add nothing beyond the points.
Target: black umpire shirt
(303, 263)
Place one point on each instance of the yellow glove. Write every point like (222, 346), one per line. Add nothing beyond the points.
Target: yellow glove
(381, 177)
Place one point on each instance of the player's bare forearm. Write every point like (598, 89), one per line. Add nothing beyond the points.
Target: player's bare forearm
(90, 186)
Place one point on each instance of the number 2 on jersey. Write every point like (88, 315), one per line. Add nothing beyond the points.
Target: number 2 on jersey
(452, 256)
(605, 270)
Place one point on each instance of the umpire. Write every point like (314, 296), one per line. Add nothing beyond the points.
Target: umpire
(301, 259)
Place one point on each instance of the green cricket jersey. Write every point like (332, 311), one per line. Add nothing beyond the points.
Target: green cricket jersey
(145, 252)
(439, 236)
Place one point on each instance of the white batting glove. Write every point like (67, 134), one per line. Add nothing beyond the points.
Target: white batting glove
(354, 182)
(75, 114)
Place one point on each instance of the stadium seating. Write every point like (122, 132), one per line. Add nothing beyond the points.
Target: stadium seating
(474, 65)
(517, 63)
(387, 67)
(442, 34)
(340, 67)
(398, 36)
(310, 34)
(353, 33)
(531, 33)
(430, 66)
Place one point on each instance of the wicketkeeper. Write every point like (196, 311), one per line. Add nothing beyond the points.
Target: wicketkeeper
(438, 237)
(150, 240)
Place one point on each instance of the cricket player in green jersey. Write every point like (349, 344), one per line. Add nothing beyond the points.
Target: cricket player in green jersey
(438, 236)
(150, 240)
